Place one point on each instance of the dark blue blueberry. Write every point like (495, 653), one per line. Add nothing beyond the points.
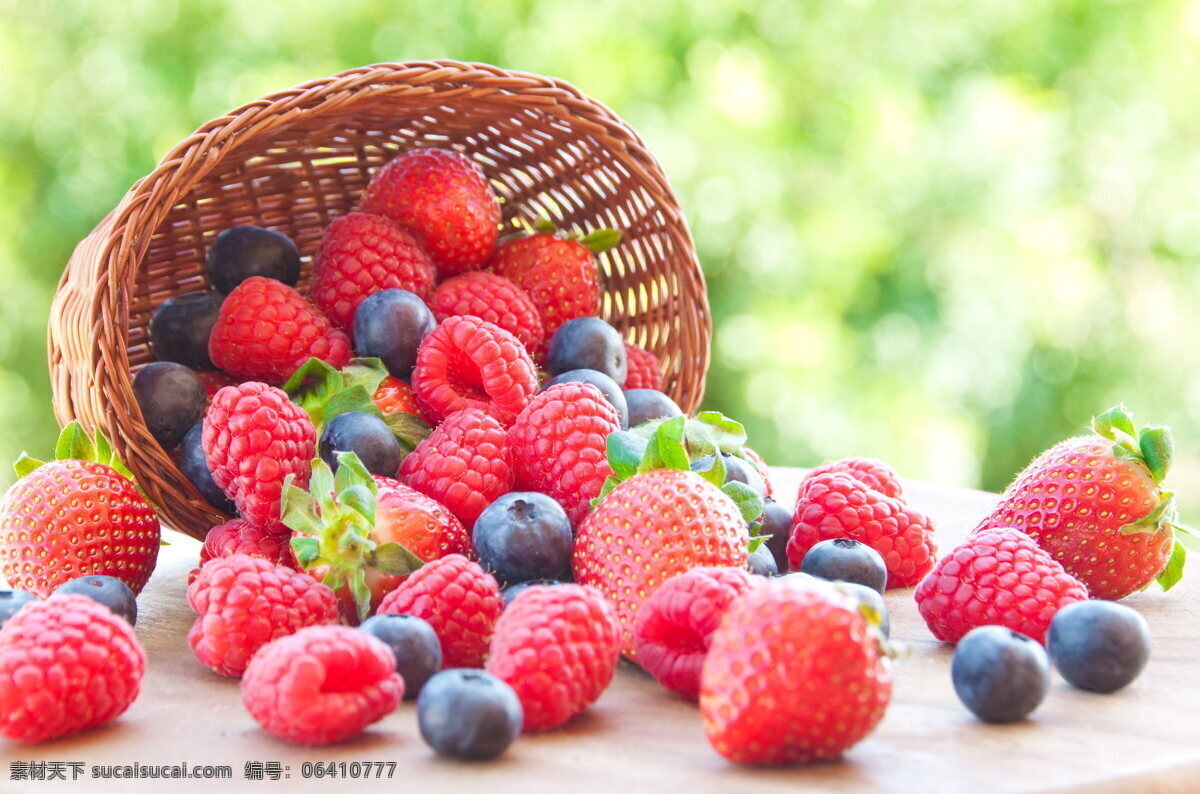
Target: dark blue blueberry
(469, 714)
(513, 590)
(872, 598)
(180, 328)
(390, 325)
(523, 536)
(107, 590)
(240, 252)
(1000, 675)
(194, 466)
(648, 404)
(172, 399)
(607, 386)
(1098, 645)
(762, 562)
(777, 522)
(415, 645)
(845, 560)
(588, 343)
(11, 601)
(366, 436)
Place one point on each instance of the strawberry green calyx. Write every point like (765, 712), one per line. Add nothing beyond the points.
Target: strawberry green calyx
(597, 241)
(324, 392)
(75, 444)
(1154, 448)
(332, 525)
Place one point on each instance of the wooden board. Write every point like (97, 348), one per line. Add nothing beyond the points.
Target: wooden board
(639, 738)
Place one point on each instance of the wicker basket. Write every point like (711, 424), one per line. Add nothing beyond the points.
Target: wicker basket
(296, 159)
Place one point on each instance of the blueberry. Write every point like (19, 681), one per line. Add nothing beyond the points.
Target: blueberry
(172, 399)
(607, 386)
(762, 562)
(1098, 645)
(415, 644)
(523, 536)
(513, 590)
(240, 252)
(11, 601)
(390, 325)
(1000, 675)
(469, 714)
(647, 404)
(194, 466)
(845, 560)
(870, 597)
(777, 522)
(588, 343)
(365, 435)
(736, 470)
(107, 590)
(180, 328)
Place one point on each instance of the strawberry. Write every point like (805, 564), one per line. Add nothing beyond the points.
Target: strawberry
(444, 200)
(394, 396)
(795, 673)
(361, 535)
(1097, 504)
(656, 519)
(559, 272)
(78, 515)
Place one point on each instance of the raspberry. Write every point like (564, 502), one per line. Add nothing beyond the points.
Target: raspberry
(254, 436)
(875, 474)
(996, 577)
(238, 536)
(321, 685)
(492, 298)
(266, 330)
(467, 362)
(675, 624)
(557, 647)
(643, 369)
(558, 445)
(360, 255)
(66, 664)
(245, 602)
(394, 396)
(444, 199)
(214, 380)
(761, 466)
(560, 276)
(465, 464)
(837, 505)
(457, 598)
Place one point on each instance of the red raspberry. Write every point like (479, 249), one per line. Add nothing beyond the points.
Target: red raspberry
(245, 602)
(557, 647)
(644, 369)
(467, 362)
(214, 380)
(764, 470)
(875, 474)
(254, 436)
(465, 464)
(239, 536)
(321, 685)
(445, 200)
(675, 624)
(558, 445)
(459, 599)
(560, 276)
(492, 298)
(66, 664)
(360, 255)
(840, 506)
(267, 329)
(395, 396)
(996, 577)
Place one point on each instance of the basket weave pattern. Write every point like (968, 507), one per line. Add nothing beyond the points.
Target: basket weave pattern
(294, 160)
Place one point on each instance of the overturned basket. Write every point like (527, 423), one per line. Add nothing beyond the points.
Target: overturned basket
(294, 160)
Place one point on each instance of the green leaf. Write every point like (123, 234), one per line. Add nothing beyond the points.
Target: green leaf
(625, 451)
(26, 464)
(409, 430)
(361, 594)
(306, 550)
(727, 434)
(544, 225)
(1155, 520)
(699, 439)
(298, 511)
(647, 429)
(365, 372)
(351, 471)
(360, 499)
(666, 450)
(1174, 570)
(104, 450)
(394, 560)
(1117, 418)
(601, 240)
(714, 471)
(1157, 450)
(748, 500)
(610, 482)
(74, 443)
(355, 398)
(757, 541)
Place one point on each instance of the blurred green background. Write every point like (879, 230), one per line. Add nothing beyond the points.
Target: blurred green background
(940, 233)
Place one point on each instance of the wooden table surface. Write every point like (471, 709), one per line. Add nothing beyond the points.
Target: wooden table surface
(640, 738)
